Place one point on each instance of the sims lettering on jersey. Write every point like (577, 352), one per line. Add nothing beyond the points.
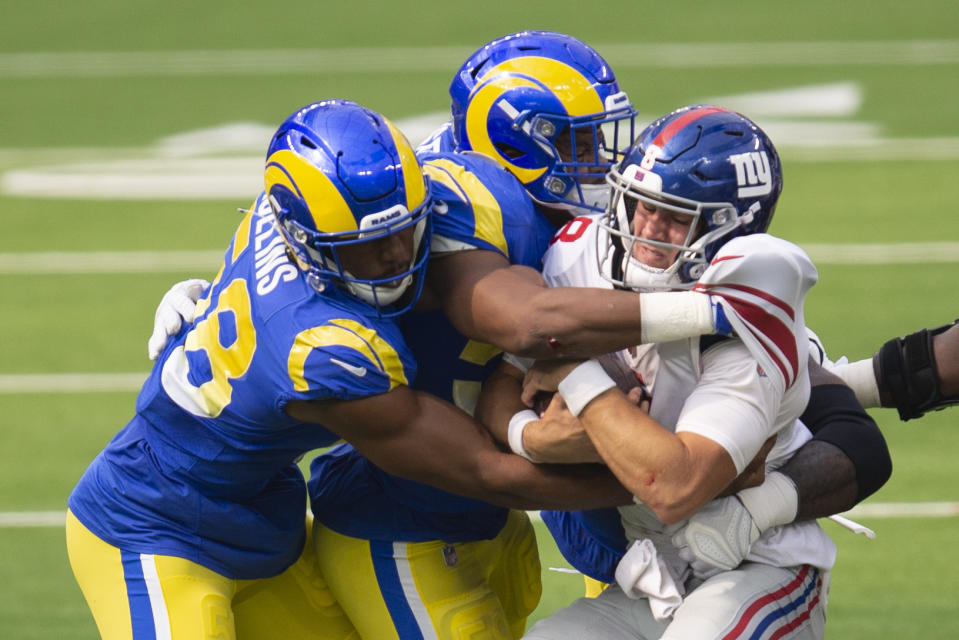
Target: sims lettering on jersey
(272, 264)
(752, 173)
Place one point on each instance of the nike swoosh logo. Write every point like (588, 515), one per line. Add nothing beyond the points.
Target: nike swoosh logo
(356, 371)
(722, 258)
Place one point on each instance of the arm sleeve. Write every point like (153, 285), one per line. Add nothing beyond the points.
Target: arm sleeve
(733, 404)
(835, 416)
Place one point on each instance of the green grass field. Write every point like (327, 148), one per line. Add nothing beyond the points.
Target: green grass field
(861, 98)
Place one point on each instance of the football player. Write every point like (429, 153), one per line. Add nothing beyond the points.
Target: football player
(692, 200)
(373, 528)
(837, 470)
(190, 522)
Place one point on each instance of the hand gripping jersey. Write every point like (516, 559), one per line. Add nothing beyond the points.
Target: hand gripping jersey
(205, 470)
(481, 206)
(696, 385)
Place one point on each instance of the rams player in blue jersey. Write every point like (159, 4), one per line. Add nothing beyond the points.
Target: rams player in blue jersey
(190, 523)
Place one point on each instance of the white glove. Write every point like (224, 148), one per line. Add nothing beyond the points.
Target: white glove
(178, 304)
(717, 537)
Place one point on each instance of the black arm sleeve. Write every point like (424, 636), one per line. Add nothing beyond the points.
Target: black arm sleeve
(835, 416)
(908, 374)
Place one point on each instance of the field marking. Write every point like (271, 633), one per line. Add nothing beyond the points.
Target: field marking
(80, 262)
(18, 383)
(132, 262)
(244, 62)
(905, 510)
(225, 161)
(882, 253)
(879, 510)
(240, 178)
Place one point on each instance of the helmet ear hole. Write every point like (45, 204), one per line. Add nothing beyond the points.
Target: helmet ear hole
(509, 150)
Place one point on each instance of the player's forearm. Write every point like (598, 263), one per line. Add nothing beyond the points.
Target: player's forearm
(514, 482)
(848, 457)
(570, 322)
(523, 316)
(499, 401)
(567, 322)
(659, 467)
(946, 349)
(825, 480)
(919, 372)
(422, 438)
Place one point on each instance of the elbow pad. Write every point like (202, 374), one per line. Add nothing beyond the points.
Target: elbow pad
(907, 372)
(835, 416)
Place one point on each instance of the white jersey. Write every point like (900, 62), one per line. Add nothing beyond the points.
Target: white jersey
(737, 392)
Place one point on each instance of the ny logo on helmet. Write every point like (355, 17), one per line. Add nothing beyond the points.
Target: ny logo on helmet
(752, 173)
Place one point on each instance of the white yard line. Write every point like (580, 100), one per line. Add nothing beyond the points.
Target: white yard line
(883, 253)
(878, 510)
(905, 510)
(20, 383)
(388, 59)
(203, 261)
(74, 262)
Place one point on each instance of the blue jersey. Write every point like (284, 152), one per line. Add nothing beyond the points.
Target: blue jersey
(592, 541)
(482, 206)
(206, 468)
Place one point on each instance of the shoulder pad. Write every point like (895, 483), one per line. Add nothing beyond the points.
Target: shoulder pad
(761, 282)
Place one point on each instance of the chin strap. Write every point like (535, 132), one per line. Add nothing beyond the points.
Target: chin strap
(907, 372)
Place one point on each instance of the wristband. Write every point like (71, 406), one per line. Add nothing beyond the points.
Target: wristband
(674, 315)
(861, 378)
(584, 383)
(515, 433)
(774, 502)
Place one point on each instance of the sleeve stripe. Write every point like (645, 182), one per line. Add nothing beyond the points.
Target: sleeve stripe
(752, 291)
(344, 333)
(773, 333)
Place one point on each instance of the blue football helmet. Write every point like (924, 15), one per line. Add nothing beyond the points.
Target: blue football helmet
(337, 175)
(548, 108)
(703, 161)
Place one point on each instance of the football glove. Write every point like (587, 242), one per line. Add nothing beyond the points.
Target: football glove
(719, 536)
(177, 305)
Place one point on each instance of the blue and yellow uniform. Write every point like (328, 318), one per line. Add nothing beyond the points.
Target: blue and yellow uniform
(441, 564)
(201, 490)
(591, 541)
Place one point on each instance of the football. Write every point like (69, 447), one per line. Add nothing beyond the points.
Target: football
(617, 369)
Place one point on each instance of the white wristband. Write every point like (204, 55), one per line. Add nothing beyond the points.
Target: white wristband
(584, 383)
(515, 434)
(674, 315)
(861, 378)
(774, 502)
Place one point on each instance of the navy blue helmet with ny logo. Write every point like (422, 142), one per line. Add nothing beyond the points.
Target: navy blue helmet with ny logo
(703, 161)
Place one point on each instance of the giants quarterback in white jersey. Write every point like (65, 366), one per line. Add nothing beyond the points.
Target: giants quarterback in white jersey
(690, 207)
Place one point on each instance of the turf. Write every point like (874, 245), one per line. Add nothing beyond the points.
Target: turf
(903, 584)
